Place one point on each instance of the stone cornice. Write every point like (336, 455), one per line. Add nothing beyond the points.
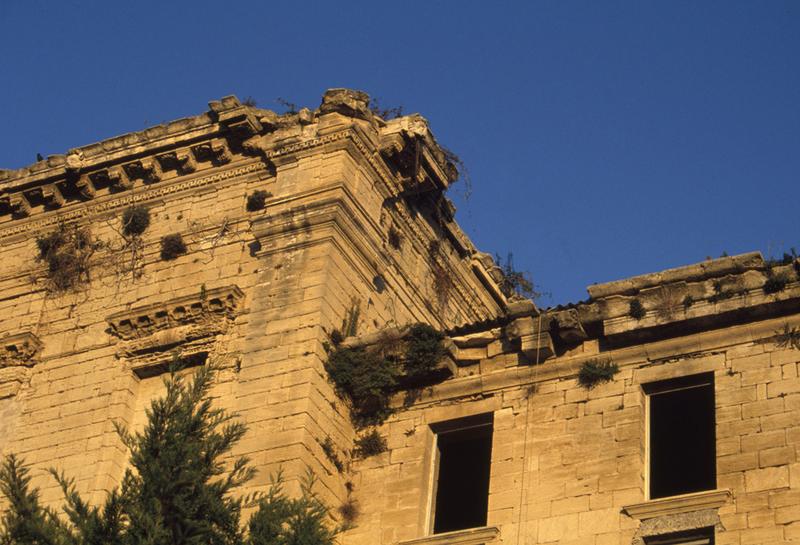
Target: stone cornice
(148, 170)
(471, 536)
(185, 327)
(472, 349)
(19, 349)
(114, 201)
(688, 273)
(204, 306)
(339, 212)
(223, 115)
(685, 503)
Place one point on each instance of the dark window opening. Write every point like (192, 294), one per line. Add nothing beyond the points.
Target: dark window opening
(704, 536)
(464, 461)
(682, 447)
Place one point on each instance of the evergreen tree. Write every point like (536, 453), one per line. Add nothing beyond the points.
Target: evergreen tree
(176, 492)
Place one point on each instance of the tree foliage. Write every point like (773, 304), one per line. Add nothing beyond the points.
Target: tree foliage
(177, 491)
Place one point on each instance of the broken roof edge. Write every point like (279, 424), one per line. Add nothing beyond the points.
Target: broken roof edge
(351, 103)
(697, 271)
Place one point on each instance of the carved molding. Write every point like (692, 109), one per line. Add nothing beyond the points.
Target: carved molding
(185, 327)
(19, 350)
(147, 170)
(471, 536)
(52, 196)
(203, 307)
(215, 150)
(151, 193)
(18, 353)
(182, 161)
(708, 499)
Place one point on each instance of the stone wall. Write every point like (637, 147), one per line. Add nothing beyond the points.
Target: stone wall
(356, 227)
(569, 463)
(257, 292)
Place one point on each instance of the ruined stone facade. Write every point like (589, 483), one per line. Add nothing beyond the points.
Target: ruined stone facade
(295, 224)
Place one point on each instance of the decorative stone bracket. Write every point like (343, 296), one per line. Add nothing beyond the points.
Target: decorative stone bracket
(184, 162)
(147, 170)
(215, 151)
(17, 355)
(186, 327)
(17, 203)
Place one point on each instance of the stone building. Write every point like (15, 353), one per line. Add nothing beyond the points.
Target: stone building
(664, 409)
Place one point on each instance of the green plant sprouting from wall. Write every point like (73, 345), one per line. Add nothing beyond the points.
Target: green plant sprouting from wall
(789, 337)
(636, 309)
(594, 372)
(368, 376)
(135, 220)
(369, 444)
(394, 238)
(442, 283)
(66, 252)
(329, 450)
(775, 282)
(515, 283)
(257, 200)
(172, 246)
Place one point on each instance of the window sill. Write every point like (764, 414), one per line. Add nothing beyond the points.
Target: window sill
(471, 536)
(685, 503)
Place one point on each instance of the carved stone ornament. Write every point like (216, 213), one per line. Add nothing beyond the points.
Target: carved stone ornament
(182, 161)
(185, 327)
(147, 170)
(17, 355)
(215, 151)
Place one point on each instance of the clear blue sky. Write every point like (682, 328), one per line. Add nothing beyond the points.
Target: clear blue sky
(603, 139)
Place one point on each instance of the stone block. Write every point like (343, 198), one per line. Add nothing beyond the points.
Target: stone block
(766, 479)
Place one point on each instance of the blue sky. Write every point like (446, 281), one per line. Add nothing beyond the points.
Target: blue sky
(603, 139)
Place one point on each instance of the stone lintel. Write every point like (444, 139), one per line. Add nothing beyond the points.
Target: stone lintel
(471, 536)
(708, 499)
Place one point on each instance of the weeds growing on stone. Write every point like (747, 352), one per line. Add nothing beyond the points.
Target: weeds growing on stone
(371, 443)
(330, 452)
(594, 372)
(395, 238)
(172, 246)
(135, 220)
(775, 283)
(788, 338)
(368, 376)
(66, 251)
(257, 200)
(636, 310)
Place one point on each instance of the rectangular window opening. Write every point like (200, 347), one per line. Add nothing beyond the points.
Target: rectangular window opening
(681, 436)
(464, 456)
(703, 536)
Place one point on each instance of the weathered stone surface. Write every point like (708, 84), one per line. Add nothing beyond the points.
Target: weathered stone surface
(259, 292)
